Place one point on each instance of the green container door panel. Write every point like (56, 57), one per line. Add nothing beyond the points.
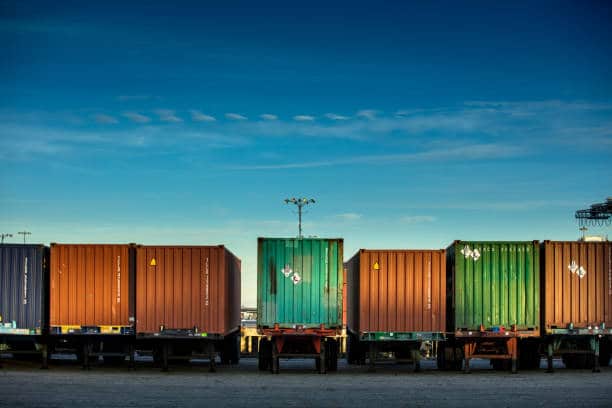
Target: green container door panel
(307, 276)
(496, 284)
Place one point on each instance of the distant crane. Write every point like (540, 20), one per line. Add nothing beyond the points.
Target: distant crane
(300, 203)
(599, 214)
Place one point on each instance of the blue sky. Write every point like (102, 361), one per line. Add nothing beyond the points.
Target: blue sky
(412, 125)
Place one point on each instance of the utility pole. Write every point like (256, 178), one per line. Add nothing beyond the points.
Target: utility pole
(300, 203)
(5, 236)
(24, 233)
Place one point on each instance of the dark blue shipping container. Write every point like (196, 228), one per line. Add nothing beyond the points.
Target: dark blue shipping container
(23, 277)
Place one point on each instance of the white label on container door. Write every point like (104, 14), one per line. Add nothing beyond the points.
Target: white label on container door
(573, 267)
(206, 299)
(119, 279)
(287, 270)
(25, 281)
(296, 278)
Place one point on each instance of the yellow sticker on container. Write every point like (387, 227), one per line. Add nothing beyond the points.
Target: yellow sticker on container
(153, 262)
(376, 266)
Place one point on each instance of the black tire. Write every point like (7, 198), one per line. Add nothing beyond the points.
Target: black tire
(230, 350)
(604, 353)
(604, 358)
(27, 356)
(113, 360)
(449, 357)
(264, 356)
(501, 365)
(235, 356)
(578, 361)
(331, 355)
(529, 356)
(352, 350)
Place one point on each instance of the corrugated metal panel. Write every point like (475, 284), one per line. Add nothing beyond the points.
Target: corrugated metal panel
(187, 287)
(578, 284)
(22, 285)
(494, 284)
(397, 291)
(91, 285)
(299, 281)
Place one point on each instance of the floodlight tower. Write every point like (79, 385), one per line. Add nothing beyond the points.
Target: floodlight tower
(25, 234)
(300, 203)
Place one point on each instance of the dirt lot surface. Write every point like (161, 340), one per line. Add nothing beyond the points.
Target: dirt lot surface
(66, 384)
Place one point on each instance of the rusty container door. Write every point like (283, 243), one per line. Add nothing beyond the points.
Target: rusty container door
(299, 282)
(578, 284)
(187, 288)
(397, 291)
(91, 285)
(494, 283)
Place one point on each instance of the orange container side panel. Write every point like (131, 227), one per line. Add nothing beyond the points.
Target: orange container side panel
(577, 284)
(91, 285)
(187, 287)
(397, 291)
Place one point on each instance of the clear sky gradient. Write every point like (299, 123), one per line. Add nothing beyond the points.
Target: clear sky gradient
(411, 125)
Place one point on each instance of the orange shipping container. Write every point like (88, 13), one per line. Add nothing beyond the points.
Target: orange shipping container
(578, 284)
(187, 288)
(91, 287)
(397, 291)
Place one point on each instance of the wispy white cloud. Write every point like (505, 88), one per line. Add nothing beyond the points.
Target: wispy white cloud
(463, 153)
(167, 115)
(350, 216)
(417, 219)
(367, 114)
(198, 116)
(333, 116)
(28, 142)
(235, 116)
(105, 119)
(136, 117)
(404, 113)
(268, 116)
(303, 118)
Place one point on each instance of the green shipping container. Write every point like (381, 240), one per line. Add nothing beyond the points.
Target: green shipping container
(494, 284)
(299, 282)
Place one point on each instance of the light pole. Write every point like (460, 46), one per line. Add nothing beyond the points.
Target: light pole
(24, 233)
(5, 236)
(299, 202)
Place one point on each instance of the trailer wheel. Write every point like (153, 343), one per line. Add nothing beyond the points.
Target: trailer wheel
(500, 364)
(230, 350)
(352, 350)
(264, 356)
(449, 357)
(235, 356)
(529, 356)
(578, 361)
(113, 360)
(331, 357)
(604, 358)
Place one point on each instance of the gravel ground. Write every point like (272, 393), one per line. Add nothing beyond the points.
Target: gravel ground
(65, 384)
